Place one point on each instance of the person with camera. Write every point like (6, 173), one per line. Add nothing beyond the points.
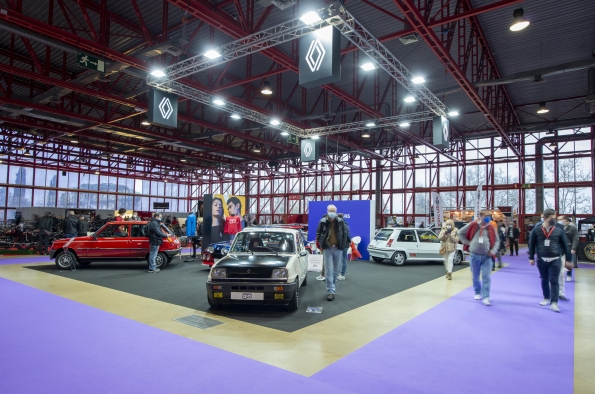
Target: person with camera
(450, 239)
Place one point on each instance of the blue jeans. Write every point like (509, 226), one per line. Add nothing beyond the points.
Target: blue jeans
(481, 263)
(332, 261)
(153, 257)
(344, 267)
(70, 235)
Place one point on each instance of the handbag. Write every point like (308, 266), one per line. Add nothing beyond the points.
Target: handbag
(569, 265)
(442, 248)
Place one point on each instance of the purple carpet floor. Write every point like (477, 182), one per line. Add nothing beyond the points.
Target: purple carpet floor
(49, 344)
(7, 259)
(462, 346)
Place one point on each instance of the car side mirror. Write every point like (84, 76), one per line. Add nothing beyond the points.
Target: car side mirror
(303, 253)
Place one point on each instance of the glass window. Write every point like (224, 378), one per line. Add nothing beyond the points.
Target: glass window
(40, 177)
(3, 173)
(264, 242)
(50, 198)
(407, 236)
(21, 175)
(383, 235)
(428, 236)
(103, 201)
(73, 180)
(62, 199)
(138, 231)
(112, 230)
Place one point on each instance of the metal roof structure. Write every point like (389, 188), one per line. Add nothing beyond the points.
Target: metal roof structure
(464, 49)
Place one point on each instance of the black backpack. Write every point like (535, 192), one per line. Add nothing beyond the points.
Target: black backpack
(147, 229)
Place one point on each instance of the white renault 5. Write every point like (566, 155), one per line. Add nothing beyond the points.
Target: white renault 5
(408, 244)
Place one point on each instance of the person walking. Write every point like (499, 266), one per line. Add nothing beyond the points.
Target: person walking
(502, 248)
(482, 238)
(191, 232)
(331, 234)
(344, 265)
(513, 235)
(83, 226)
(572, 243)
(450, 239)
(548, 240)
(44, 225)
(70, 226)
(155, 240)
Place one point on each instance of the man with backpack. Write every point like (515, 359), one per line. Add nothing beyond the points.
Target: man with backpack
(483, 241)
(155, 240)
(70, 226)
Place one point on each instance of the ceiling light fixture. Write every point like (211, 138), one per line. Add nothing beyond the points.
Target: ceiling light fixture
(453, 113)
(542, 108)
(315, 137)
(370, 124)
(553, 145)
(365, 134)
(235, 116)
(368, 66)
(96, 172)
(145, 123)
(519, 21)
(284, 133)
(218, 102)
(74, 141)
(275, 122)
(158, 73)
(310, 17)
(418, 80)
(257, 148)
(212, 54)
(266, 88)
(182, 159)
(404, 124)
(27, 153)
(409, 99)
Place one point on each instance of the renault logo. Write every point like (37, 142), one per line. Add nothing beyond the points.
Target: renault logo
(314, 63)
(308, 149)
(165, 108)
(248, 271)
(445, 129)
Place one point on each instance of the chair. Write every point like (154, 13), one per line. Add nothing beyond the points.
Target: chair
(255, 243)
(356, 241)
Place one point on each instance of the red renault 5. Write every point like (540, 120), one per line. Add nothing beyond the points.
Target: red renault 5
(114, 241)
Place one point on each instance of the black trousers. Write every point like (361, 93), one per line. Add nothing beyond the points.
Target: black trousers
(550, 271)
(44, 242)
(514, 244)
(196, 243)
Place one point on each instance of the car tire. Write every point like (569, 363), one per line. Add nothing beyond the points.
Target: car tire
(213, 304)
(64, 260)
(398, 258)
(458, 258)
(161, 260)
(295, 301)
(377, 259)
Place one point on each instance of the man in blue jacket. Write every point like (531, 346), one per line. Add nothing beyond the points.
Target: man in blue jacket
(548, 239)
(191, 231)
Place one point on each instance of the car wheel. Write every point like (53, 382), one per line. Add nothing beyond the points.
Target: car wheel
(294, 304)
(398, 258)
(213, 305)
(161, 260)
(458, 258)
(377, 259)
(65, 260)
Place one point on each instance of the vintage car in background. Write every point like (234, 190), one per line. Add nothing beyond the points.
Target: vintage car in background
(400, 245)
(264, 266)
(115, 241)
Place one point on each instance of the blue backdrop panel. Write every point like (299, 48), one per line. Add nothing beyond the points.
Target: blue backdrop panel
(359, 214)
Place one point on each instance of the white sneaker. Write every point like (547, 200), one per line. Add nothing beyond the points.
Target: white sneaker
(569, 279)
(477, 297)
(544, 302)
(320, 277)
(341, 277)
(554, 307)
(486, 301)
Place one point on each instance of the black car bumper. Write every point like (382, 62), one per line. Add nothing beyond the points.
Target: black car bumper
(172, 253)
(221, 292)
(53, 253)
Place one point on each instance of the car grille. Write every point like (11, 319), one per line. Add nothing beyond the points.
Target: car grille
(233, 275)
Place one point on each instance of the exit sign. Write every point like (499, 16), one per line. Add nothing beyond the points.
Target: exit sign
(293, 139)
(526, 186)
(90, 62)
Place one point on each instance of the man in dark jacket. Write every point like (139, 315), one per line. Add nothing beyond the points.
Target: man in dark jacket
(155, 240)
(331, 235)
(71, 224)
(513, 235)
(572, 242)
(44, 225)
(548, 240)
(83, 226)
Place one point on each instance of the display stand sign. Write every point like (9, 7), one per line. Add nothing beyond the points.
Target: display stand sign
(314, 309)
(315, 262)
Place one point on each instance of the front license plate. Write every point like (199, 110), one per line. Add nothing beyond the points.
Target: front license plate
(247, 296)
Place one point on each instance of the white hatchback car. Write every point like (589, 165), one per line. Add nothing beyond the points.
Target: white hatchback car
(408, 244)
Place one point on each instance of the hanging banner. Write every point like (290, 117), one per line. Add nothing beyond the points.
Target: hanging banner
(309, 150)
(320, 57)
(477, 202)
(163, 108)
(441, 132)
(438, 209)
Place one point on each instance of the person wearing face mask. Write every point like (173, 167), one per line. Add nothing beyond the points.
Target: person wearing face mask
(155, 240)
(572, 242)
(548, 240)
(449, 236)
(482, 238)
(513, 234)
(332, 237)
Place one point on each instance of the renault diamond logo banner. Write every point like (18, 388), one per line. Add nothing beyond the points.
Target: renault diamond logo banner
(309, 150)
(163, 108)
(441, 132)
(317, 49)
(320, 57)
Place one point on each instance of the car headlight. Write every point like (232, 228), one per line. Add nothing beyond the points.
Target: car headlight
(224, 251)
(279, 273)
(219, 273)
(211, 249)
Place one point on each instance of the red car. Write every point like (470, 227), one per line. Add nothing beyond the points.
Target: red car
(113, 242)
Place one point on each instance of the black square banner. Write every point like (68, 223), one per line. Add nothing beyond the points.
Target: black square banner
(320, 57)
(441, 133)
(309, 150)
(163, 108)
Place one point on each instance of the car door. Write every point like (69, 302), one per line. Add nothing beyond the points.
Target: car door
(302, 260)
(429, 245)
(407, 241)
(111, 242)
(139, 242)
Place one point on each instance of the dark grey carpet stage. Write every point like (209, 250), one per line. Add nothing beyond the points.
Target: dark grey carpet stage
(183, 283)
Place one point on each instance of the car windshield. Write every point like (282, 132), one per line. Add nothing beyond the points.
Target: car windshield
(263, 242)
(383, 235)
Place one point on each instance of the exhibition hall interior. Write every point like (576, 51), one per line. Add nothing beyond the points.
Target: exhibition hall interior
(307, 196)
